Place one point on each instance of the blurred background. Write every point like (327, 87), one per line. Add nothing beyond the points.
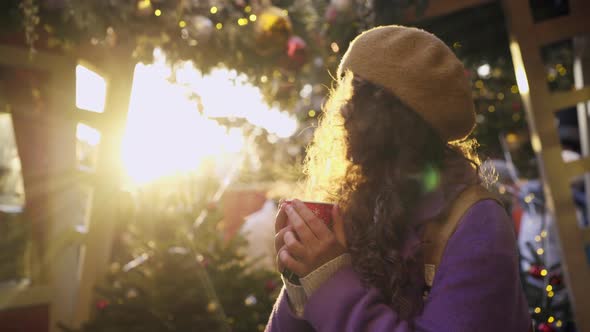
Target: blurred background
(144, 145)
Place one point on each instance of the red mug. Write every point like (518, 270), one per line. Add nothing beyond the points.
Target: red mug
(321, 210)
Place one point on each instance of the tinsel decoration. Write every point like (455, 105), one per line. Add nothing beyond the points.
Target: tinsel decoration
(31, 19)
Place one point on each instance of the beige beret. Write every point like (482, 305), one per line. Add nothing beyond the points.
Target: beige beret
(420, 70)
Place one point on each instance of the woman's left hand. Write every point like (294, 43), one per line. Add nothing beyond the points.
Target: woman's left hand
(311, 243)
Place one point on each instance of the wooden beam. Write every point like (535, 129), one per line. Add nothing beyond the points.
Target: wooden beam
(578, 167)
(47, 62)
(437, 8)
(561, 28)
(442, 7)
(561, 100)
(92, 119)
(23, 295)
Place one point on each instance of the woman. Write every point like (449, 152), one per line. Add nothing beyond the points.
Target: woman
(391, 152)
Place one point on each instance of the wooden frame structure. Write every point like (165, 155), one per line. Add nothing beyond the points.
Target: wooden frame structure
(71, 260)
(526, 40)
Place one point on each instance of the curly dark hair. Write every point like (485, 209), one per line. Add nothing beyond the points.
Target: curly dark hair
(376, 158)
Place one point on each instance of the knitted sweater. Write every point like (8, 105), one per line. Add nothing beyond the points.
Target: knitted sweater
(476, 288)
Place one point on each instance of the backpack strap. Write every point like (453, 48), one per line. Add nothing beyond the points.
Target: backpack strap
(437, 232)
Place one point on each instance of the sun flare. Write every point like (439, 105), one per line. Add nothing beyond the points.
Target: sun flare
(165, 132)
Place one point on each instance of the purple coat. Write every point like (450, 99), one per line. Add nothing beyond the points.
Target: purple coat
(476, 288)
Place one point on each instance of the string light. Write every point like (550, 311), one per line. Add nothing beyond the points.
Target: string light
(544, 234)
(514, 89)
(242, 21)
(182, 24)
(529, 198)
(500, 96)
(512, 138)
(543, 272)
(558, 323)
(213, 10)
(491, 108)
(515, 117)
(537, 310)
(479, 84)
(157, 12)
(264, 79)
(253, 18)
(550, 319)
(540, 251)
(549, 288)
(537, 238)
(247, 9)
(335, 47)
(484, 70)
(550, 294)
(311, 113)
(219, 26)
(144, 4)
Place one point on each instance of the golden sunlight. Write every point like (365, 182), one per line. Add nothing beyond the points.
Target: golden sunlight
(90, 90)
(87, 134)
(166, 134)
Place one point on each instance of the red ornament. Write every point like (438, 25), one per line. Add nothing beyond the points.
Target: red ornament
(545, 327)
(555, 280)
(297, 50)
(535, 271)
(270, 285)
(331, 14)
(516, 106)
(102, 304)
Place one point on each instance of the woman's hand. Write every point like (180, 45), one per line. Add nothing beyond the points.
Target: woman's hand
(281, 227)
(306, 243)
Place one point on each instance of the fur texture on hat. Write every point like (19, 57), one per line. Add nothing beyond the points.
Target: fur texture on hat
(420, 70)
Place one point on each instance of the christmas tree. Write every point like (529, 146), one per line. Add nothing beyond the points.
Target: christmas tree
(173, 270)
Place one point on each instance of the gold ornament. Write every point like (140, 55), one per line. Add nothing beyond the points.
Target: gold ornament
(144, 7)
(272, 30)
(200, 28)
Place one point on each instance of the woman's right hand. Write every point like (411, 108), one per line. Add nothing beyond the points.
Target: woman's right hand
(281, 227)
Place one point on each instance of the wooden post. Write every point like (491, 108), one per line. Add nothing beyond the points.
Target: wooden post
(45, 138)
(118, 69)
